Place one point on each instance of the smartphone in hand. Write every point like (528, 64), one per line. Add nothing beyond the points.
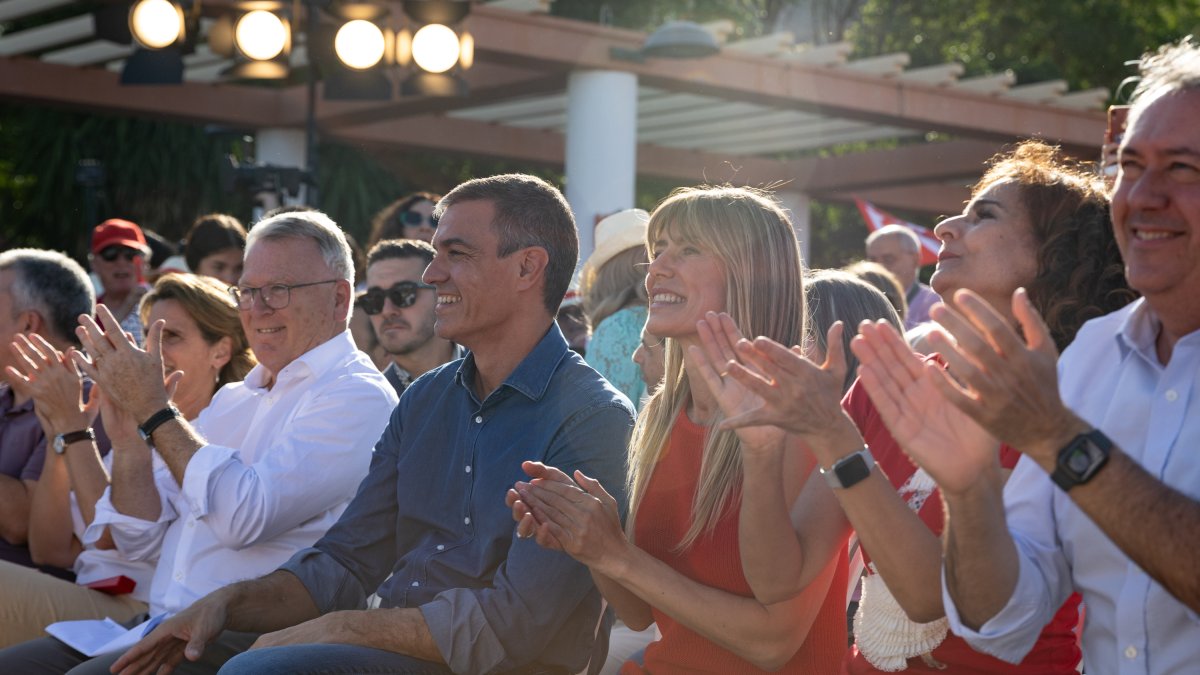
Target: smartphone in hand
(1118, 115)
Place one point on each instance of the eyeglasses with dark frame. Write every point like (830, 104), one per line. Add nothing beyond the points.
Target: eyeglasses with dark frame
(402, 294)
(414, 219)
(111, 253)
(275, 296)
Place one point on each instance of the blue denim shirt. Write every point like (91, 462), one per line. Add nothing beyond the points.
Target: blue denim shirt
(431, 512)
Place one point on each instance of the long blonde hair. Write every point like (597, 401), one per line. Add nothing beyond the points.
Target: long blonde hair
(753, 236)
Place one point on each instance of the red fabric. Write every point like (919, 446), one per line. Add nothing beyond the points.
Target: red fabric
(715, 561)
(1056, 651)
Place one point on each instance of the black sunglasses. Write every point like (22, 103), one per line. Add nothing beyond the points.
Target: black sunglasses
(403, 294)
(111, 253)
(414, 219)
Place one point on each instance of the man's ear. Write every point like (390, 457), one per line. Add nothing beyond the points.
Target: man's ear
(31, 321)
(533, 266)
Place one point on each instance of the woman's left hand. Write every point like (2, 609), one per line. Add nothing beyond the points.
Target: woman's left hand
(579, 514)
(779, 386)
(712, 363)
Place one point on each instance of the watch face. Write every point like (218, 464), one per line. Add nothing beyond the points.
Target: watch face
(59, 446)
(1079, 460)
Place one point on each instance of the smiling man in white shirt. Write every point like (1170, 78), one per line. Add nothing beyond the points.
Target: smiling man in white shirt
(268, 466)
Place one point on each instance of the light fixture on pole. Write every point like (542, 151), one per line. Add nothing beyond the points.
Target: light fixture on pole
(258, 36)
(436, 51)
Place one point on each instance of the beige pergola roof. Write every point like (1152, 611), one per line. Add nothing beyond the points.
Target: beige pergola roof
(758, 113)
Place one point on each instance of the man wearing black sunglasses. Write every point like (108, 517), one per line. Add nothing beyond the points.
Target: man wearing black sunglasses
(400, 307)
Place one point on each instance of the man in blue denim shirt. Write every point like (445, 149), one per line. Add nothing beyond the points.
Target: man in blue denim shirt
(465, 594)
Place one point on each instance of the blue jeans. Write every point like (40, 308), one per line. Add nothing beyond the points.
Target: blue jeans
(328, 659)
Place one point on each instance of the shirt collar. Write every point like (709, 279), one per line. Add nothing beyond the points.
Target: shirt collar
(313, 363)
(1138, 331)
(532, 375)
(8, 397)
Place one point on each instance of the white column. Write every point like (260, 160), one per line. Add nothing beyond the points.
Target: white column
(601, 159)
(796, 204)
(282, 147)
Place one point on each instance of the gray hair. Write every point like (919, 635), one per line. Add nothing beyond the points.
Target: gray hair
(1174, 67)
(912, 243)
(329, 238)
(53, 285)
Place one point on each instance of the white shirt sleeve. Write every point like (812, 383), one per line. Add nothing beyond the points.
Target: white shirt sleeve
(308, 470)
(1044, 580)
(135, 538)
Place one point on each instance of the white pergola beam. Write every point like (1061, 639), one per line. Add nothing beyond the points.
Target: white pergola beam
(45, 37)
(716, 112)
(833, 54)
(1039, 92)
(90, 53)
(766, 45)
(941, 75)
(514, 110)
(730, 126)
(16, 9)
(887, 65)
(994, 84)
(1088, 99)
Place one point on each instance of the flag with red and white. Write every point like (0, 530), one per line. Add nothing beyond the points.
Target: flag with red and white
(877, 218)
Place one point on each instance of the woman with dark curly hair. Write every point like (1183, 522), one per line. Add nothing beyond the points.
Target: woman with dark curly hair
(410, 217)
(1033, 221)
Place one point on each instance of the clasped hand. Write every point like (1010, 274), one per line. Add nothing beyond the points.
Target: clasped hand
(577, 516)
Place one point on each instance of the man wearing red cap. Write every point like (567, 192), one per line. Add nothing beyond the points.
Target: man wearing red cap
(118, 257)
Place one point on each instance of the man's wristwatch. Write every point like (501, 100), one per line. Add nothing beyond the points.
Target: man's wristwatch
(158, 419)
(849, 470)
(1080, 459)
(61, 441)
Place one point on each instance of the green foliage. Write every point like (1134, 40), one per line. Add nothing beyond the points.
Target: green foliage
(750, 17)
(1085, 42)
(159, 174)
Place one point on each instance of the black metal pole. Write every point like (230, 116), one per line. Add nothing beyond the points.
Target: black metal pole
(313, 195)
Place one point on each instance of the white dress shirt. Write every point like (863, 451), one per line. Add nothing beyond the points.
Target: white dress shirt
(279, 468)
(1111, 377)
(95, 564)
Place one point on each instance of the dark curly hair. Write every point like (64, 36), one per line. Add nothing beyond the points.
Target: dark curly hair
(1080, 273)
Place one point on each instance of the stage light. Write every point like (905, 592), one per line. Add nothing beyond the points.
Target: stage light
(435, 48)
(156, 24)
(261, 35)
(360, 44)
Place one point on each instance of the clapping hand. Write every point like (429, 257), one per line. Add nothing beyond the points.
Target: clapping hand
(947, 443)
(1007, 384)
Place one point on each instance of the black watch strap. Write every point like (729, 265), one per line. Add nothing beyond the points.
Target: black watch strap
(1079, 460)
(157, 420)
(61, 441)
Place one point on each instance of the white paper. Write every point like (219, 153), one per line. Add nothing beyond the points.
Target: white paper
(94, 637)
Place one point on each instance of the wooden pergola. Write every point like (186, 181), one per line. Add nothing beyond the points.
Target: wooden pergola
(760, 112)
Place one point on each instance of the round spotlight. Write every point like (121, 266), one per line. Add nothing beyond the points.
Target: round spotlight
(156, 23)
(260, 35)
(435, 48)
(359, 44)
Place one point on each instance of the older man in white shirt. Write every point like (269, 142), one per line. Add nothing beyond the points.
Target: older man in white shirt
(267, 467)
(1106, 500)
